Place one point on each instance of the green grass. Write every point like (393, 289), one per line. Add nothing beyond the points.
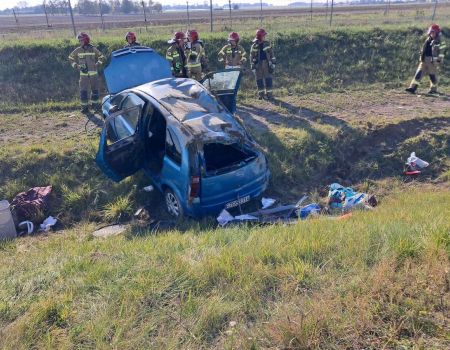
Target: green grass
(377, 279)
(325, 60)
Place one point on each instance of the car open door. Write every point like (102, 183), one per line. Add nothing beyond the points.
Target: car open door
(121, 149)
(224, 84)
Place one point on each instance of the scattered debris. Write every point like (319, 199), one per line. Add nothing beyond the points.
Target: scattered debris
(148, 188)
(47, 224)
(7, 227)
(414, 165)
(25, 227)
(31, 205)
(267, 202)
(311, 209)
(340, 197)
(112, 230)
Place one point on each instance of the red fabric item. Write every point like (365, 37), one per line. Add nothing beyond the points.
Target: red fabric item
(30, 205)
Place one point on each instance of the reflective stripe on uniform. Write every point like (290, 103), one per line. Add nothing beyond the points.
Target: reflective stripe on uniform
(83, 54)
(90, 73)
(193, 65)
(415, 82)
(267, 48)
(74, 64)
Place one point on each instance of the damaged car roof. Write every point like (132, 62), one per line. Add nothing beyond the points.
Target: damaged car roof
(193, 106)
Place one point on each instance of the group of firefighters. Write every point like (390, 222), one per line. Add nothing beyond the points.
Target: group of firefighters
(187, 57)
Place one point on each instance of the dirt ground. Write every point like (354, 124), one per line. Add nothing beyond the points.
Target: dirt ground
(369, 109)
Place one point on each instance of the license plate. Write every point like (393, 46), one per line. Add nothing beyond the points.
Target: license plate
(237, 202)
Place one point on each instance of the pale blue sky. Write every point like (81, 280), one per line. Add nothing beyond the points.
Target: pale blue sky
(11, 3)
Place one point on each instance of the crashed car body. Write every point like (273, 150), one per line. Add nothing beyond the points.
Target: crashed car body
(181, 133)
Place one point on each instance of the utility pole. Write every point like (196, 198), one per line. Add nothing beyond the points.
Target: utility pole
(231, 20)
(145, 15)
(211, 13)
(101, 14)
(15, 18)
(326, 12)
(311, 10)
(71, 17)
(434, 10)
(388, 7)
(260, 11)
(188, 17)
(331, 13)
(46, 15)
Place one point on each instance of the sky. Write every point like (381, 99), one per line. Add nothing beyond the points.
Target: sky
(11, 3)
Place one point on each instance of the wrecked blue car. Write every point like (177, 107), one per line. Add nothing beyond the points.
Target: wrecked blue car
(181, 133)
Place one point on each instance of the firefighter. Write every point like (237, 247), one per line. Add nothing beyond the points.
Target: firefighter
(430, 57)
(130, 38)
(87, 59)
(262, 64)
(233, 55)
(195, 55)
(176, 55)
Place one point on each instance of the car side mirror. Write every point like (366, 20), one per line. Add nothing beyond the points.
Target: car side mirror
(113, 109)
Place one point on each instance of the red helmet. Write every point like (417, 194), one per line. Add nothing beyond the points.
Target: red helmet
(84, 37)
(179, 36)
(260, 33)
(233, 36)
(434, 28)
(130, 35)
(192, 35)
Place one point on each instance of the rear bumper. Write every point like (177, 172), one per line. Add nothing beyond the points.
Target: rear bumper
(198, 210)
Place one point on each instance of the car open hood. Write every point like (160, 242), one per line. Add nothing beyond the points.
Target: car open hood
(131, 67)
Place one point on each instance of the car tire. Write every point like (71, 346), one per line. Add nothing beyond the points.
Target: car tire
(173, 204)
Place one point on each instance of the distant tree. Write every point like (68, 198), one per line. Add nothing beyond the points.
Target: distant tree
(105, 7)
(127, 6)
(115, 6)
(157, 7)
(21, 4)
(235, 7)
(87, 7)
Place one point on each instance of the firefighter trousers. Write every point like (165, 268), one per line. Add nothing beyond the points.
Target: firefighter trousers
(427, 67)
(89, 83)
(264, 80)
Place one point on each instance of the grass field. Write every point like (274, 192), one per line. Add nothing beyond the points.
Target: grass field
(377, 280)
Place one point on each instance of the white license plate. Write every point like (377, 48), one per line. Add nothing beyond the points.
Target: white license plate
(237, 202)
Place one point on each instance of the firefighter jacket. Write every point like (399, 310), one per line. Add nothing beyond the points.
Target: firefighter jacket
(433, 48)
(87, 59)
(261, 51)
(177, 59)
(196, 56)
(233, 56)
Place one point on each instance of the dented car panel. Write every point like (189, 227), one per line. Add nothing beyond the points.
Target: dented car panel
(186, 141)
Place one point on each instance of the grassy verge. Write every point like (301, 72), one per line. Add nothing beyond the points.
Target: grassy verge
(378, 279)
(308, 61)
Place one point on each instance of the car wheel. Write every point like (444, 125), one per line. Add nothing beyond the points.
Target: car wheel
(173, 204)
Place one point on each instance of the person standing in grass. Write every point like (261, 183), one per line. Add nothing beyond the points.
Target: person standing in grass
(263, 64)
(430, 57)
(130, 38)
(233, 55)
(87, 59)
(176, 55)
(195, 55)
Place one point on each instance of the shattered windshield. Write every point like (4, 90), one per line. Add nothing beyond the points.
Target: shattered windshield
(185, 99)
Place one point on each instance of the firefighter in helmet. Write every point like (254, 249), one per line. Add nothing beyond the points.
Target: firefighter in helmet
(233, 55)
(262, 64)
(176, 55)
(130, 38)
(195, 55)
(87, 59)
(431, 56)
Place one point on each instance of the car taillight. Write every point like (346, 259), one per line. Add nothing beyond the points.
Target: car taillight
(195, 187)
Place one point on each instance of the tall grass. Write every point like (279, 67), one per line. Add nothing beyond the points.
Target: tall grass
(378, 279)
